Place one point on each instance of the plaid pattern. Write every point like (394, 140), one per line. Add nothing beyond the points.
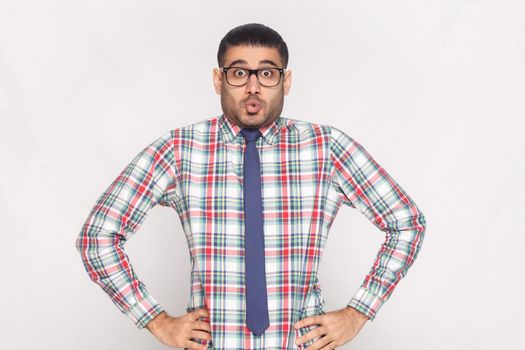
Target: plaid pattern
(308, 171)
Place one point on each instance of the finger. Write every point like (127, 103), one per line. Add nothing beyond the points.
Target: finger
(200, 335)
(308, 321)
(194, 345)
(202, 325)
(329, 346)
(201, 313)
(319, 331)
(319, 343)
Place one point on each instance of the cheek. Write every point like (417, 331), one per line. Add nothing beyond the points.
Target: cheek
(231, 97)
(227, 98)
(275, 98)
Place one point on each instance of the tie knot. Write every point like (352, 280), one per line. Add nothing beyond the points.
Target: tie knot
(250, 134)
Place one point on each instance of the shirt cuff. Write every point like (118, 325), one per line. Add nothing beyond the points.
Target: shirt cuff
(144, 311)
(366, 302)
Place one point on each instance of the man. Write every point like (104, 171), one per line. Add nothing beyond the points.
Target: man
(256, 193)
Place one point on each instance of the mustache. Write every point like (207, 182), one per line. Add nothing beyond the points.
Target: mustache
(252, 98)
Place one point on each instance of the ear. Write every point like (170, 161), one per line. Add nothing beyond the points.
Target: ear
(217, 80)
(287, 81)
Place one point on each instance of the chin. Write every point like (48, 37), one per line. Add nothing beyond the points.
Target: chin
(253, 120)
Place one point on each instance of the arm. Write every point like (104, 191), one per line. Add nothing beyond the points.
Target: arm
(365, 185)
(117, 214)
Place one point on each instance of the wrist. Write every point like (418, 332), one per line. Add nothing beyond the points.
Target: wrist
(357, 314)
(156, 322)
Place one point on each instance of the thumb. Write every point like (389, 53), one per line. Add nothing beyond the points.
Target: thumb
(202, 313)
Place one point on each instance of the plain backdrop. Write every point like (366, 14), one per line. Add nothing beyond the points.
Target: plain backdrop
(433, 89)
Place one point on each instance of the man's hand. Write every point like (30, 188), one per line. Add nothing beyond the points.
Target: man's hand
(177, 332)
(336, 328)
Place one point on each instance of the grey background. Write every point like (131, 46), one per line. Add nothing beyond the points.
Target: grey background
(432, 89)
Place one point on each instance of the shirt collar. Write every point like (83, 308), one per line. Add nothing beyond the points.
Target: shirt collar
(231, 131)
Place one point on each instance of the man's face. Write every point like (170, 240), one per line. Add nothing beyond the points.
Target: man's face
(252, 105)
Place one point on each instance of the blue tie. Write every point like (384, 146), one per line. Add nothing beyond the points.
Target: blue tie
(257, 317)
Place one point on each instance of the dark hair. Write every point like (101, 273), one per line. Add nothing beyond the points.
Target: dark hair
(253, 34)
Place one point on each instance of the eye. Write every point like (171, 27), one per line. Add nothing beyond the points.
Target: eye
(239, 73)
(266, 73)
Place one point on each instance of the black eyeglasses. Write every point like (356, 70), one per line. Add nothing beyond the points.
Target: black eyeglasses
(238, 76)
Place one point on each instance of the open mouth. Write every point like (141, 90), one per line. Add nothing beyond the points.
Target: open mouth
(253, 106)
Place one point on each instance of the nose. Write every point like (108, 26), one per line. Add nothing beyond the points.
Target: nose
(253, 86)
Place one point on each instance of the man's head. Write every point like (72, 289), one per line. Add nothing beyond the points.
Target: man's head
(252, 100)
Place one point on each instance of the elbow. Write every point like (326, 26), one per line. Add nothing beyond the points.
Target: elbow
(82, 245)
(81, 241)
(420, 227)
(421, 222)
(78, 242)
(96, 249)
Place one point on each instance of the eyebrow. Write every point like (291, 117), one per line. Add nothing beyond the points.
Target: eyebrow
(260, 62)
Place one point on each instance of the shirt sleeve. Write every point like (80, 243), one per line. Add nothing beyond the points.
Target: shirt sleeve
(117, 214)
(363, 184)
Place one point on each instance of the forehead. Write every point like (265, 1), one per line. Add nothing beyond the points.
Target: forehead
(253, 56)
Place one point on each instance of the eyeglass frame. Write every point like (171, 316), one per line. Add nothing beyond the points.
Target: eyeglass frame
(256, 72)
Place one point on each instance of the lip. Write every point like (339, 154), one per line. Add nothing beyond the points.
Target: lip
(252, 102)
(253, 106)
